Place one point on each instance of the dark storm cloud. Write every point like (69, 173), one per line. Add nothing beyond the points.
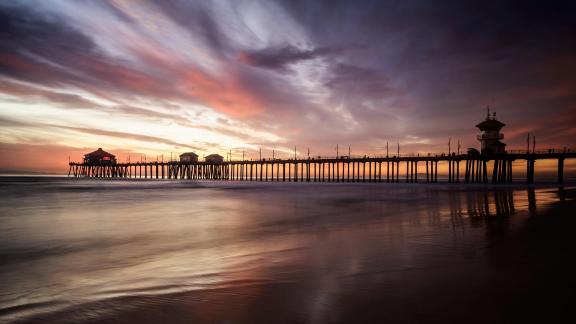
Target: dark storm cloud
(277, 58)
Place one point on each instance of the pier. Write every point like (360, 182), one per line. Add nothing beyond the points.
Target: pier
(463, 168)
(492, 164)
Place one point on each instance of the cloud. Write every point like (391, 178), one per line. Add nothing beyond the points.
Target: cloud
(278, 58)
(294, 72)
(34, 94)
(30, 94)
(44, 50)
(137, 137)
(359, 82)
(100, 132)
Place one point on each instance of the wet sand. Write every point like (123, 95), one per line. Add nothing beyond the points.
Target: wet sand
(346, 254)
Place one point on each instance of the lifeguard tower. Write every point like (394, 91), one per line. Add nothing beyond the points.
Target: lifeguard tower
(491, 136)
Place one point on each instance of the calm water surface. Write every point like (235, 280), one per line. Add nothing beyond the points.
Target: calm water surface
(78, 251)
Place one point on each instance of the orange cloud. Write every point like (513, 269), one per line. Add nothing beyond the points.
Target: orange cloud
(227, 95)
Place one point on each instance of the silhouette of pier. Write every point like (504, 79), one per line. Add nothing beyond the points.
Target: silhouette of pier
(467, 168)
(493, 163)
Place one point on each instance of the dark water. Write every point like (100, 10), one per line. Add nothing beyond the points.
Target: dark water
(84, 251)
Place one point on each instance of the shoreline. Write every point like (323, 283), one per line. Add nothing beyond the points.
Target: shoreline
(440, 183)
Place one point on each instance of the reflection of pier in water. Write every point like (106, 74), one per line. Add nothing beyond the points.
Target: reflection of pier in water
(480, 207)
(494, 203)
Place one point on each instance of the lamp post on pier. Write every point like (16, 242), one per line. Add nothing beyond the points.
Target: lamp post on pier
(386, 148)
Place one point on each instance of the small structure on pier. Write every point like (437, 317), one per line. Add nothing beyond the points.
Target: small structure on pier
(99, 157)
(189, 157)
(214, 158)
(491, 136)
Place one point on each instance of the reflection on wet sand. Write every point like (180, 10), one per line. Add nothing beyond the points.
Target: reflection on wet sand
(149, 252)
(498, 203)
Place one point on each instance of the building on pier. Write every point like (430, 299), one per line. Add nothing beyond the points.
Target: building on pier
(189, 157)
(214, 158)
(490, 138)
(99, 157)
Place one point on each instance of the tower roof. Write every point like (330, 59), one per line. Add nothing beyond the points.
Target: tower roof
(98, 154)
(490, 124)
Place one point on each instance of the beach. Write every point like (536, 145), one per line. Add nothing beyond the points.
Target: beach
(126, 251)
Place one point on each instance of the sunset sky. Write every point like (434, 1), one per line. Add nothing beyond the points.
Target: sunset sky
(166, 77)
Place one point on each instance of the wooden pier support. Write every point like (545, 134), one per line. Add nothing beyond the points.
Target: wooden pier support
(560, 170)
(530, 171)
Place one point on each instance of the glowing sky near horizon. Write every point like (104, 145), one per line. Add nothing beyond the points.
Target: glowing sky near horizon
(162, 77)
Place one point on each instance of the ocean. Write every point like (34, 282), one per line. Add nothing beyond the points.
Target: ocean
(129, 251)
